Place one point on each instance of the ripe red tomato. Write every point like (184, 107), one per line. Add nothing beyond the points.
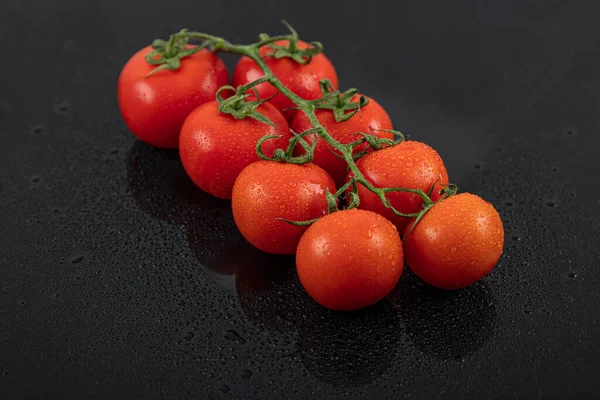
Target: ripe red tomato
(300, 79)
(155, 107)
(268, 190)
(215, 147)
(409, 164)
(456, 243)
(371, 119)
(350, 259)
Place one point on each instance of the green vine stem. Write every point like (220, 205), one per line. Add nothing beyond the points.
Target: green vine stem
(164, 54)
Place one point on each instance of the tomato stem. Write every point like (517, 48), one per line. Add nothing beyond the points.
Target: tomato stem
(340, 103)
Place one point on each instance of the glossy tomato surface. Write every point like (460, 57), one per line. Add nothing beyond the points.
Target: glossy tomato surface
(409, 164)
(215, 147)
(300, 79)
(155, 107)
(456, 243)
(372, 119)
(266, 191)
(350, 259)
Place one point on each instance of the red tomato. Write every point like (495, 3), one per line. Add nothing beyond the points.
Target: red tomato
(300, 79)
(155, 107)
(409, 164)
(456, 243)
(215, 147)
(350, 259)
(266, 191)
(371, 119)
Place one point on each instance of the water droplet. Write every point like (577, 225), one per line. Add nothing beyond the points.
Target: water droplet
(516, 238)
(571, 131)
(61, 107)
(189, 336)
(234, 337)
(70, 45)
(37, 129)
(246, 374)
(224, 389)
(477, 166)
(76, 259)
(35, 179)
(551, 204)
(573, 275)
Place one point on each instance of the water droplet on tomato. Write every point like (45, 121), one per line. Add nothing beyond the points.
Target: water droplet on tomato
(371, 231)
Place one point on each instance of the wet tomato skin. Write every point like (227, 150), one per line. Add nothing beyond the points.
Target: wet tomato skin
(215, 147)
(372, 119)
(409, 164)
(266, 191)
(155, 107)
(350, 259)
(456, 243)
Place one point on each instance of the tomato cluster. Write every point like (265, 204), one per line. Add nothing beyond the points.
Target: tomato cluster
(350, 234)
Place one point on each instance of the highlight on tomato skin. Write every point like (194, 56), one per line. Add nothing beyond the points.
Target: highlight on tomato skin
(303, 80)
(155, 107)
(215, 147)
(267, 191)
(458, 242)
(372, 119)
(410, 164)
(350, 259)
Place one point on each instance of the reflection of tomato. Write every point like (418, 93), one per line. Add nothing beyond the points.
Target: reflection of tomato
(155, 107)
(352, 348)
(300, 79)
(266, 191)
(350, 259)
(215, 147)
(446, 324)
(456, 243)
(371, 119)
(409, 164)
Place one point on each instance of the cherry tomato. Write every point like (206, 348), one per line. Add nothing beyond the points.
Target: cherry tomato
(409, 164)
(300, 79)
(266, 191)
(371, 120)
(350, 259)
(456, 243)
(215, 147)
(155, 107)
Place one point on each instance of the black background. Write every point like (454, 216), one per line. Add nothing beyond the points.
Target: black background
(119, 278)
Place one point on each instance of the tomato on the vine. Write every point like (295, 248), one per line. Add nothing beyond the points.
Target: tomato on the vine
(266, 191)
(371, 119)
(456, 243)
(215, 147)
(350, 259)
(409, 164)
(154, 107)
(302, 79)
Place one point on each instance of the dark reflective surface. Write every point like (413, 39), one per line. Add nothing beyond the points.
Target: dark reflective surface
(120, 279)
